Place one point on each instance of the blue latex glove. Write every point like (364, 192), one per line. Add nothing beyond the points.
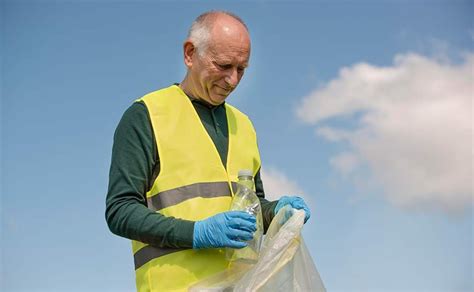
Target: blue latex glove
(228, 229)
(295, 202)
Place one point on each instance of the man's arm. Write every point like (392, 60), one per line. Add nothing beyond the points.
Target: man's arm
(133, 169)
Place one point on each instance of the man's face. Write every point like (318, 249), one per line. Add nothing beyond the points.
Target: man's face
(217, 71)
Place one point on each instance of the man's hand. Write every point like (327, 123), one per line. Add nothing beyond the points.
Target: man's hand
(228, 229)
(294, 202)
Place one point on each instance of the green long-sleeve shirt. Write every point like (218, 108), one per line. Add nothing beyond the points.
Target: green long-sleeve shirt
(135, 166)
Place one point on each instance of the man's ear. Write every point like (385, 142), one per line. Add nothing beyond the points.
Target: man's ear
(189, 50)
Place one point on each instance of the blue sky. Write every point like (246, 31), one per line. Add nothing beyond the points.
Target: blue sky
(365, 108)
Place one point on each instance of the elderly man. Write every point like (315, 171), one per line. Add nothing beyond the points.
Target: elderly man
(176, 153)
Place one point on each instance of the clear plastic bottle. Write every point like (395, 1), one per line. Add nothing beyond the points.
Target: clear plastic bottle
(246, 200)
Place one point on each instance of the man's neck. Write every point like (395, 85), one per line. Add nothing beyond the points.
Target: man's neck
(184, 85)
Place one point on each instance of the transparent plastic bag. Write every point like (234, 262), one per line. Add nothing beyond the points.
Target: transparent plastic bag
(284, 264)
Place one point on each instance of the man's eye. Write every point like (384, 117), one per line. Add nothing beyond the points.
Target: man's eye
(224, 66)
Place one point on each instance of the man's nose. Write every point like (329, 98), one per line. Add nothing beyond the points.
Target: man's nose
(232, 78)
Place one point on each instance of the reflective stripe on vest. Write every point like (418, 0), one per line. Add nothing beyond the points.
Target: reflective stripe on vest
(181, 194)
(149, 253)
(192, 185)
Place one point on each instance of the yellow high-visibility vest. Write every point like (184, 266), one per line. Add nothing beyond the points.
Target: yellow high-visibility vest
(192, 184)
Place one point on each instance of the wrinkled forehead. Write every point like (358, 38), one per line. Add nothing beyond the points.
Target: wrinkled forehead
(229, 46)
(229, 52)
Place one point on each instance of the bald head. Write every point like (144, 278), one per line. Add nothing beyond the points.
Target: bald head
(221, 23)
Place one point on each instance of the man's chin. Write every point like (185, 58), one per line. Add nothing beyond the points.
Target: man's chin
(217, 99)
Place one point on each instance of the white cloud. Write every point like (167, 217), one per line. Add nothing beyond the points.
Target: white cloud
(413, 127)
(276, 184)
(345, 162)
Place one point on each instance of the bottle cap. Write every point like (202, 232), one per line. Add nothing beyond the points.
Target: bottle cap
(245, 172)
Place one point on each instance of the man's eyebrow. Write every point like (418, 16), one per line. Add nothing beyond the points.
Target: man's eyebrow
(220, 60)
(228, 62)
